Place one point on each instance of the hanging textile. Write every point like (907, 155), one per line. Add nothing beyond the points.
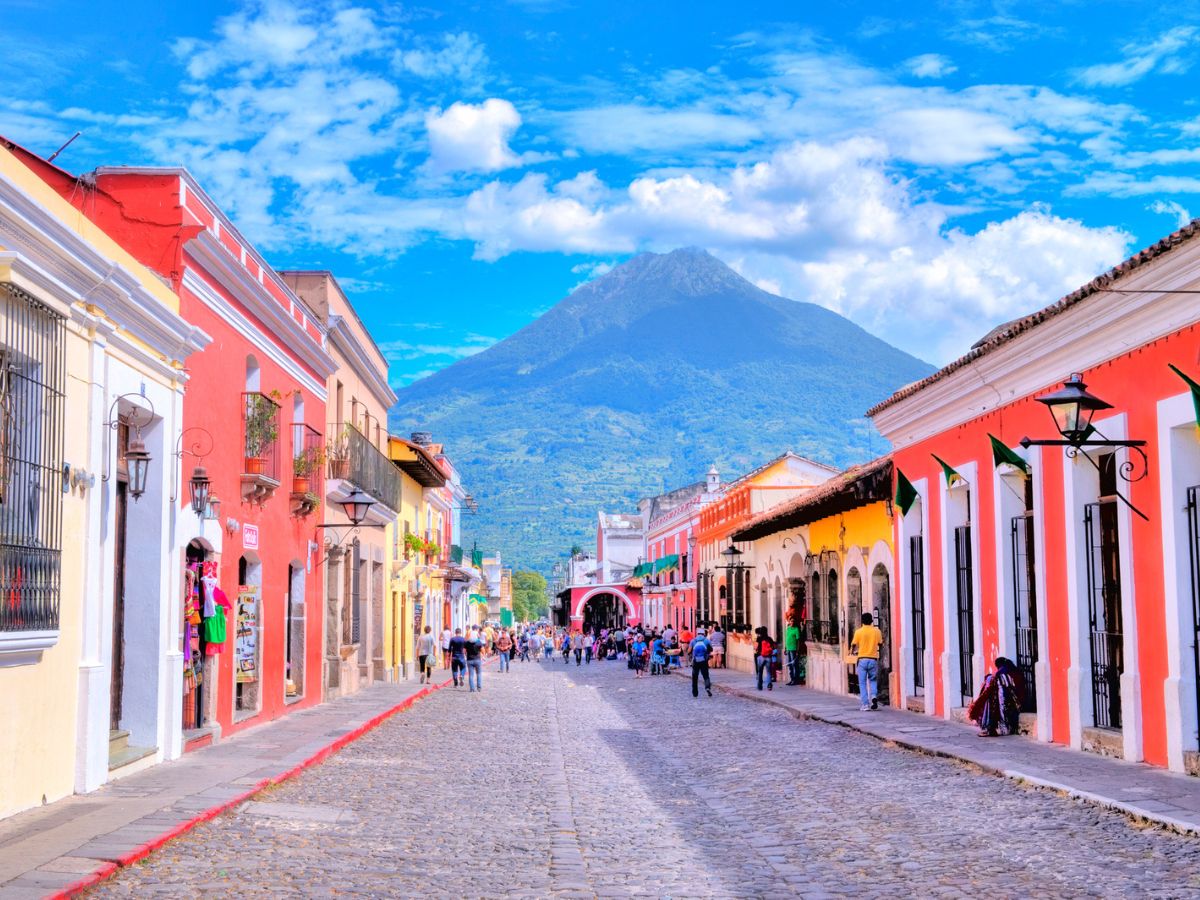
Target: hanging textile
(952, 476)
(906, 494)
(1003, 454)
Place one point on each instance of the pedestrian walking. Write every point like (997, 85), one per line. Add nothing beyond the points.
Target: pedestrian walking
(577, 646)
(427, 654)
(589, 641)
(701, 651)
(717, 639)
(548, 646)
(565, 646)
(447, 635)
(504, 648)
(458, 658)
(764, 658)
(637, 654)
(791, 647)
(474, 650)
(865, 645)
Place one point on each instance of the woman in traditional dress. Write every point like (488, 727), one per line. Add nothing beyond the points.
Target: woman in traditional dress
(997, 709)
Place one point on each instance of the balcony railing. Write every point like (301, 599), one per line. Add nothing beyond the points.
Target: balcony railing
(354, 458)
(308, 455)
(260, 430)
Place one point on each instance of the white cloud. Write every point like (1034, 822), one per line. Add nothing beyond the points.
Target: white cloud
(461, 56)
(1164, 56)
(930, 65)
(473, 137)
(950, 136)
(1171, 208)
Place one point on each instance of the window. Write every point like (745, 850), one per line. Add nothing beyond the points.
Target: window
(32, 385)
(831, 604)
(916, 571)
(854, 601)
(1024, 596)
(1105, 624)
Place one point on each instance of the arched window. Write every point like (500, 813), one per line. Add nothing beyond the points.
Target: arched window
(818, 609)
(881, 601)
(854, 601)
(831, 604)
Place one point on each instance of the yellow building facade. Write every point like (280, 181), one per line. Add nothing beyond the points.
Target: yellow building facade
(414, 587)
(92, 352)
(825, 559)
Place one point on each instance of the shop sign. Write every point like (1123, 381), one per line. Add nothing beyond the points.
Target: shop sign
(250, 537)
(246, 645)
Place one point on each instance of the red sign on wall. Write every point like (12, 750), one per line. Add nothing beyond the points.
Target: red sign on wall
(250, 537)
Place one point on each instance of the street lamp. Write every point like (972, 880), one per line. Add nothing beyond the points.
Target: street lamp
(1072, 408)
(198, 488)
(138, 461)
(356, 506)
(734, 567)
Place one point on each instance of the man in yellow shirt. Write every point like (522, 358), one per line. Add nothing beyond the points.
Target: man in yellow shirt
(865, 645)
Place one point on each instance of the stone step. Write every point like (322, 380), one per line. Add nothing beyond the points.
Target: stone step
(127, 755)
(118, 740)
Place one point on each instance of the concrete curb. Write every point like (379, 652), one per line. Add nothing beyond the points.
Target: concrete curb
(140, 852)
(1129, 810)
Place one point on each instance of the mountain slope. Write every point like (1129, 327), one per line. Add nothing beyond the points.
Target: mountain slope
(638, 382)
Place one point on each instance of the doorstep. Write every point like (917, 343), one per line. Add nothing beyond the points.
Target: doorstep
(1143, 792)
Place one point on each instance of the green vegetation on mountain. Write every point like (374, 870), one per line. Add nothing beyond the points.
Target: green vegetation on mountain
(637, 383)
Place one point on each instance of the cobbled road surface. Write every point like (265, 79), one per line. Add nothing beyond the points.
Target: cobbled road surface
(565, 781)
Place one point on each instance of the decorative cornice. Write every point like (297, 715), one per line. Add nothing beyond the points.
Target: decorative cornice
(235, 278)
(347, 342)
(194, 281)
(1077, 338)
(56, 259)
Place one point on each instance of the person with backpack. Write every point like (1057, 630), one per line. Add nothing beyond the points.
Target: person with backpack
(764, 658)
(701, 652)
(458, 658)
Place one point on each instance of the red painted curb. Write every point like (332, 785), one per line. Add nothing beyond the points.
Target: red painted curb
(108, 869)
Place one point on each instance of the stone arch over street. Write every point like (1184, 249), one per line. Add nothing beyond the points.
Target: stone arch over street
(606, 606)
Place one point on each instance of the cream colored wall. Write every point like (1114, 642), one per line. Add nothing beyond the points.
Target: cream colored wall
(38, 702)
(402, 586)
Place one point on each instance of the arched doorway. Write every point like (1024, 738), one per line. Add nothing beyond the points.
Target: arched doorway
(604, 610)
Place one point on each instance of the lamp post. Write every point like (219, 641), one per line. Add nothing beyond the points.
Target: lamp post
(734, 567)
(1072, 408)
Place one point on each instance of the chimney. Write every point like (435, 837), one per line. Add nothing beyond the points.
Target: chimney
(422, 438)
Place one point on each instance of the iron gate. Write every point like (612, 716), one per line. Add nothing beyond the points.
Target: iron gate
(966, 612)
(1193, 520)
(916, 568)
(1104, 612)
(1025, 606)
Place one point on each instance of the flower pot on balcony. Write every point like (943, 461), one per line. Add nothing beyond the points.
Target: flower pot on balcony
(339, 468)
(300, 484)
(256, 465)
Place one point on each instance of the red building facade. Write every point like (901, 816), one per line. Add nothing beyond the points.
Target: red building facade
(1081, 564)
(253, 418)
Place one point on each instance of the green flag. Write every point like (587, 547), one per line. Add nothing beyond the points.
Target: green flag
(952, 477)
(506, 618)
(1194, 387)
(1002, 453)
(477, 558)
(906, 494)
(477, 598)
(456, 554)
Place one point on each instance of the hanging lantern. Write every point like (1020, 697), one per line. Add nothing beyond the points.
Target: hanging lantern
(138, 462)
(356, 506)
(1073, 408)
(198, 487)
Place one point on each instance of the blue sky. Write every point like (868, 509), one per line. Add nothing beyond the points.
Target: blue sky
(927, 170)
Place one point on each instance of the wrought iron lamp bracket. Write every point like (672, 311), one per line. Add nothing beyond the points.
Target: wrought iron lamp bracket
(114, 422)
(193, 450)
(1129, 471)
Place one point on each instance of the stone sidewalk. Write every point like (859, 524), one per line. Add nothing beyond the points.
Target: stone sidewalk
(67, 846)
(1143, 792)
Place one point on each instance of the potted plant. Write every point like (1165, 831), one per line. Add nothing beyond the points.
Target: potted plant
(262, 430)
(303, 466)
(412, 544)
(338, 454)
(433, 550)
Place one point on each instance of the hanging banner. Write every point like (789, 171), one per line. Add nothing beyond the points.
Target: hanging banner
(246, 644)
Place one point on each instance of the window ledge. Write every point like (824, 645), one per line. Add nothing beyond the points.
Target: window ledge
(24, 648)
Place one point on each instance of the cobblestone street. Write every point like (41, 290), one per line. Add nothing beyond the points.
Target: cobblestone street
(560, 780)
